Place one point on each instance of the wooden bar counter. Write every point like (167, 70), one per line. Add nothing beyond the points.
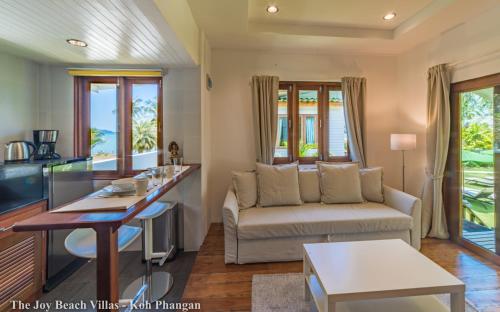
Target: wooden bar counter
(106, 225)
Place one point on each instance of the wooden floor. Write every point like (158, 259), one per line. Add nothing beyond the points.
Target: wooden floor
(220, 287)
(82, 284)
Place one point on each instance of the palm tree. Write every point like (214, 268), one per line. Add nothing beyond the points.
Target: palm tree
(143, 109)
(96, 137)
(144, 135)
(144, 125)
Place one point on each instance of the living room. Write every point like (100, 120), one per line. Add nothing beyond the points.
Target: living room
(300, 155)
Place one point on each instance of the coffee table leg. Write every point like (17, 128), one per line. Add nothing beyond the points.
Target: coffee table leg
(307, 271)
(331, 306)
(457, 302)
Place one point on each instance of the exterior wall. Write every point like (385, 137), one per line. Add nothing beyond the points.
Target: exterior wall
(337, 130)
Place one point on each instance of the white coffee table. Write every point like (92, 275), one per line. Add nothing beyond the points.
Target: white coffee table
(347, 276)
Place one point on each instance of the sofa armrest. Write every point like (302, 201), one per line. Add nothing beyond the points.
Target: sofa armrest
(230, 213)
(407, 204)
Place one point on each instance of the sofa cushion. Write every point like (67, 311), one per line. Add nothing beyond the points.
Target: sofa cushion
(309, 186)
(245, 188)
(372, 185)
(278, 185)
(320, 219)
(340, 183)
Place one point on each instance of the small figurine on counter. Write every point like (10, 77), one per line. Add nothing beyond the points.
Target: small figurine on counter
(173, 149)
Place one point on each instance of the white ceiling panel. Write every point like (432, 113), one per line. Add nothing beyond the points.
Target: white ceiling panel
(326, 26)
(356, 13)
(117, 31)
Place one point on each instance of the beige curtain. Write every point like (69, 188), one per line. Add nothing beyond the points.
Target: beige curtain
(265, 115)
(438, 136)
(354, 92)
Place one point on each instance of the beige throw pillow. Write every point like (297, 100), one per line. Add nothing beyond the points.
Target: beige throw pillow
(372, 185)
(309, 186)
(340, 183)
(245, 188)
(278, 185)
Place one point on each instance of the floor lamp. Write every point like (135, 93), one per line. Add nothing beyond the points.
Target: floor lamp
(403, 142)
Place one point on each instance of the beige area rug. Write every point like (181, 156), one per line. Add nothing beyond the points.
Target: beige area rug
(285, 292)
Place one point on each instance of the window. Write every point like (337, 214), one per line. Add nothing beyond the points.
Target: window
(472, 189)
(118, 123)
(282, 146)
(337, 131)
(311, 124)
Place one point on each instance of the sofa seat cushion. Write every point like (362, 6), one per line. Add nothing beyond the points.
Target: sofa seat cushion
(320, 219)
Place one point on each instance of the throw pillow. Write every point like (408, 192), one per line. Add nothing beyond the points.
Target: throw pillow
(340, 183)
(278, 185)
(245, 188)
(309, 186)
(372, 185)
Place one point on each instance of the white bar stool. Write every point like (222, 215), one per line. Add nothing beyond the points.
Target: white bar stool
(83, 243)
(161, 282)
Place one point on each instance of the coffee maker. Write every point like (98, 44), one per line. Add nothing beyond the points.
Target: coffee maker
(45, 142)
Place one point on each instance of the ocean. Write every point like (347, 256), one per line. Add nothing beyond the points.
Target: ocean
(108, 146)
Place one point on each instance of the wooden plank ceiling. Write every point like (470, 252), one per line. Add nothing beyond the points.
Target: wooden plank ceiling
(117, 31)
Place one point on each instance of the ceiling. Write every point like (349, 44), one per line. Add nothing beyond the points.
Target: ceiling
(331, 25)
(117, 32)
(355, 13)
(135, 33)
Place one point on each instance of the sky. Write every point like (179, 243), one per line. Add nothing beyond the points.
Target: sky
(103, 103)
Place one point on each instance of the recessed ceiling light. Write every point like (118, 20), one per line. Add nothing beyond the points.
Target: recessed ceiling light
(77, 43)
(389, 16)
(273, 9)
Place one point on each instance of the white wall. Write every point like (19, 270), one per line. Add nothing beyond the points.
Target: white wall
(18, 99)
(182, 112)
(56, 105)
(470, 46)
(231, 128)
(182, 123)
(206, 137)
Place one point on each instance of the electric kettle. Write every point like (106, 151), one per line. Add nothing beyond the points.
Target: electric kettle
(19, 150)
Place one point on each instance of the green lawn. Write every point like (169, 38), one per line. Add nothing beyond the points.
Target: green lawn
(479, 166)
(483, 209)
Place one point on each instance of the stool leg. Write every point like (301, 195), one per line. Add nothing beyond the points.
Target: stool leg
(149, 279)
(148, 250)
(158, 283)
(143, 243)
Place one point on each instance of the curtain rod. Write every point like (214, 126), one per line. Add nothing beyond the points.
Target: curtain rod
(117, 69)
(98, 72)
(479, 59)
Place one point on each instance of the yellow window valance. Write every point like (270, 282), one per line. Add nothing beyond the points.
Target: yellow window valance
(114, 72)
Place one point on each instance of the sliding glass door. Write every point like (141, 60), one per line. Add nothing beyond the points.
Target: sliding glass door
(476, 144)
(478, 167)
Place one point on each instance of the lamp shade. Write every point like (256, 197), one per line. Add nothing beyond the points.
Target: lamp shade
(403, 142)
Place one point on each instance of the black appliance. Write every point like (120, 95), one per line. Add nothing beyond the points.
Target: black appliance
(21, 184)
(45, 142)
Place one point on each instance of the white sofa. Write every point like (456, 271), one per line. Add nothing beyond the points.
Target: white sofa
(273, 234)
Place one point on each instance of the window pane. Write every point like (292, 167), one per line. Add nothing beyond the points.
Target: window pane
(337, 132)
(281, 147)
(144, 126)
(308, 123)
(103, 126)
(479, 166)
